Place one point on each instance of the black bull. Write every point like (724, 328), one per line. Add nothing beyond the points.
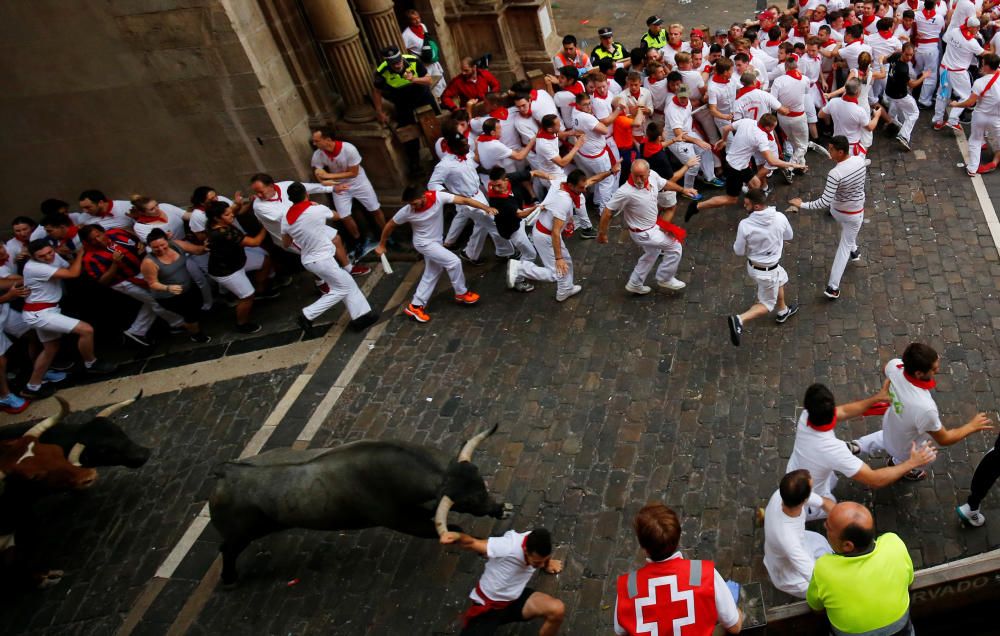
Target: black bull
(364, 484)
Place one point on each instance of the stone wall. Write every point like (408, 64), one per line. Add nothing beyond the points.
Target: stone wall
(152, 96)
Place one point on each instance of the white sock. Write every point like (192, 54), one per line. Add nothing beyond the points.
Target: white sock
(90, 364)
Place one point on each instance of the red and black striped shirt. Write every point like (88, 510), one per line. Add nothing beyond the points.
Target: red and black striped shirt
(97, 261)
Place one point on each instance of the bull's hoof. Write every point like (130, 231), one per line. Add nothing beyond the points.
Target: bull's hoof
(508, 511)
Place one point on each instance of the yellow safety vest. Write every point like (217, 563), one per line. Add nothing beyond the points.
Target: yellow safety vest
(602, 53)
(394, 79)
(658, 42)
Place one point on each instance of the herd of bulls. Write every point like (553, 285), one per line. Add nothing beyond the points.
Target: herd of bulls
(370, 483)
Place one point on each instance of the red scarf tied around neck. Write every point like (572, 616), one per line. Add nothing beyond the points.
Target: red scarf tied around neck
(575, 196)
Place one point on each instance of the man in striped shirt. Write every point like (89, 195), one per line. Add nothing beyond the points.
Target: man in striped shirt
(844, 194)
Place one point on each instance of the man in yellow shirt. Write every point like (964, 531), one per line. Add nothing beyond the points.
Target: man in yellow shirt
(864, 585)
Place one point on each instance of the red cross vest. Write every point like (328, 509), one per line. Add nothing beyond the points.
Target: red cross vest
(675, 597)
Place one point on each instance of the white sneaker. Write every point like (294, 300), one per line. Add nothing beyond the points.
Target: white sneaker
(560, 296)
(512, 269)
(672, 284)
(640, 290)
(969, 516)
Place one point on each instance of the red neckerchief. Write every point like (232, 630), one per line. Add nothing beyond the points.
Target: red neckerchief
(277, 194)
(677, 102)
(544, 134)
(917, 382)
(824, 427)
(459, 157)
(631, 182)
(913, 4)
(814, 58)
(418, 30)
(795, 74)
(575, 196)
(829, 42)
(533, 95)
(576, 89)
(773, 43)
(635, 94)
(746, 89)
(803, 3)
(649, 149)
(598, 95)
(676, 48)
(70, 235)
(966, 32)
(430, 198)
(719, 79)
(296, 211)
(865, 21)
(337, 147)
(885, 34)
(707, 68)
(766, 132)
(799, 32)
(111, 205)
(929, 15)
(484, 137)
(850, 98)
(503, 194)
(499, 113)
(149, 219)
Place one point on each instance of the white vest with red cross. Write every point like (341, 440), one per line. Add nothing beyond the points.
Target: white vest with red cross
(675, 597)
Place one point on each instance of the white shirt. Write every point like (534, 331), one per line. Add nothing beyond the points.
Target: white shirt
(566, 103)
(962, 11)
(199, 222)
(309, 235)
(38, 279)
(789, 561)
(270, 211)
(594, 141)
(644, 99)
(677, 116)
(494, 153)
(507, 571)
(638, 205)
(902, 33)
(657, 93)
(761, 236)
(725, 605)
(454, 175)
(413, 43)
(746, 139)
(557, 205)
(541, 106)
(882, 47)
(762, 63)
(546, 150)
(928, 28)
(427, 225)
(722, 96)
(755, 104)
(117, 217)
(695, 83)
(822, 454)
(174, 223)
(852, 51)
(348, 157)
(959, 53)
(988, 102)
(15, 247)
(849, 119)
(791, 92)
(913, 413)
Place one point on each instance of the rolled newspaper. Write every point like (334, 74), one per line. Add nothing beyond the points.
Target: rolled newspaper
(385, 264)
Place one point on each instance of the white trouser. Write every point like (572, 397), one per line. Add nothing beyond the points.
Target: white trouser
(198, 270)
(148, 311)
(983, 126)
(815, 546)
(604, 189)
(527, 268)
(438, 259)
(850, 225)
(875, 442)
(814, 100)
(955, 85)
(655, 243)
(707, 123)
(906, 113)
(684, 151)
(463, 214)
(484, 226)
(927, 57)
(796, 129)
(877, 90)
(341, 288)
(543, 243)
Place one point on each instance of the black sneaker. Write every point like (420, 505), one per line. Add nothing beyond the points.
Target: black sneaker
(787, 175)
(248, 327)
(523, 286)
(831, 293)
(854, 447)
(468, 259)
(40, 393)
(268, 294)
(62, 365)
(735, 329)
(142, 341)
(201, 338)
(100, 367)
(588, 233)
(363, 322)
(305, 325)
(691, 211)
(856, 255)
(791, 311)
(917, 474)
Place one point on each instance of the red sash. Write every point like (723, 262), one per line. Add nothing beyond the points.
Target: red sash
(989, 84)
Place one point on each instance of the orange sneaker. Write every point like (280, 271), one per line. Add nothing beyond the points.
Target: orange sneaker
(417, 313)
(468, 298)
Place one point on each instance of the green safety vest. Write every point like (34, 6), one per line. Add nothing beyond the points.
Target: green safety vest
(601, 53)
(658, 42)
(394, 79)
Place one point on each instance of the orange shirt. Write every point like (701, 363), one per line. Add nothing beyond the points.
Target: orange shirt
(622, 132)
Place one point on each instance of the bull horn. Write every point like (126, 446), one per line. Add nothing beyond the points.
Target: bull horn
(75, 453)
(441, 516)
(114, 408)
(465, 455)
(38, 429)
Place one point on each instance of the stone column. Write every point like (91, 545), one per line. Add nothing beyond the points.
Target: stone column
(338, 34)
(380, 24)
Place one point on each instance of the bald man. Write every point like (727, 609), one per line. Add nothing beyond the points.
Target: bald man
(864, 585)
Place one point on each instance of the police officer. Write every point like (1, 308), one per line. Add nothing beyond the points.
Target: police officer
(655, 37)
(402, 79)
(608, 49)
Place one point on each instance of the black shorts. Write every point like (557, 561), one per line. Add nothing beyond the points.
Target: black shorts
(736, 179)
(486, 624)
